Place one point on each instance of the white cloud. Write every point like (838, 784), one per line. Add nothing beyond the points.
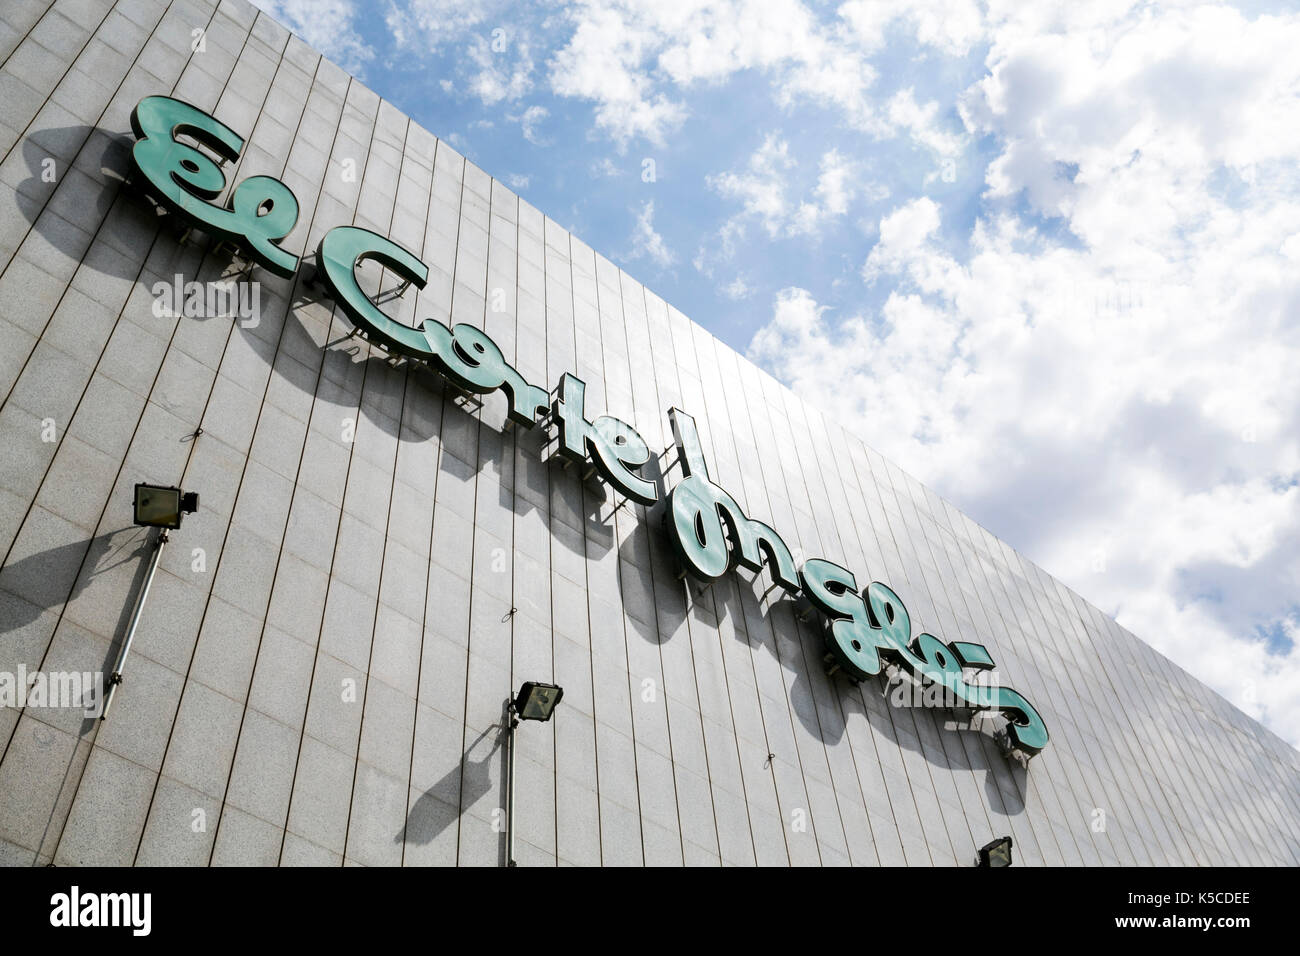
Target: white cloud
(497, 64)
(952, 27)
(635, 60)
(425, 25)
(834, 186)
(737, 289)
(762, 188)
(517, 181)
(502, 67)
(923, 123)
(720, 247)
(646, 242)
(528, 122)
(902, 235)
(327, 25)
(1121, 404)
(604, 62)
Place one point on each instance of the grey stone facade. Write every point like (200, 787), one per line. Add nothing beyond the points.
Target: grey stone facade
(377, 562)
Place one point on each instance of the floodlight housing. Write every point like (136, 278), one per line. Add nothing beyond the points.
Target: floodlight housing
(163, 506)
(536, 701)
(997, 853)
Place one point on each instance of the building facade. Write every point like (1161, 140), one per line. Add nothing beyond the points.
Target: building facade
(387, 547)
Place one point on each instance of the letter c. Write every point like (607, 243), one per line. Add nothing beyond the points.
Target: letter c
(337, 258)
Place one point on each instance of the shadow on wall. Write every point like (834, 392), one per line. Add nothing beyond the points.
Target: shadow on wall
(463, 786)
(40, 580)
(105, 151)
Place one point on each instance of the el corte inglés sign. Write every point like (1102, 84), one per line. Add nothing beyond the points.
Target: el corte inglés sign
(865, 630)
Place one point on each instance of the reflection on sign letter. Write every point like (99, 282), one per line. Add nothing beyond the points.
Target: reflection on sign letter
(703, 520)
(615, 447)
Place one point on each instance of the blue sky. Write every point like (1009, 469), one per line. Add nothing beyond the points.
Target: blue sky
(479, 79)
(1045, 254)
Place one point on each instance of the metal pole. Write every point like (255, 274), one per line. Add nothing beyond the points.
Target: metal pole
(511, 723)
(116, 677)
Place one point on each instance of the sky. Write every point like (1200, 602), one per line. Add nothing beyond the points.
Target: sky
(1043, 256)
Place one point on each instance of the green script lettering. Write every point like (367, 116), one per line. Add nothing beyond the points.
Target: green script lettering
(615, 447)
(465, 355)
(261, 210)
(702, 519)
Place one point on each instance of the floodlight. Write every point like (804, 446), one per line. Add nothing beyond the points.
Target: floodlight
(996, 854)
(536, 701)
(160, 506)
(156, 506)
